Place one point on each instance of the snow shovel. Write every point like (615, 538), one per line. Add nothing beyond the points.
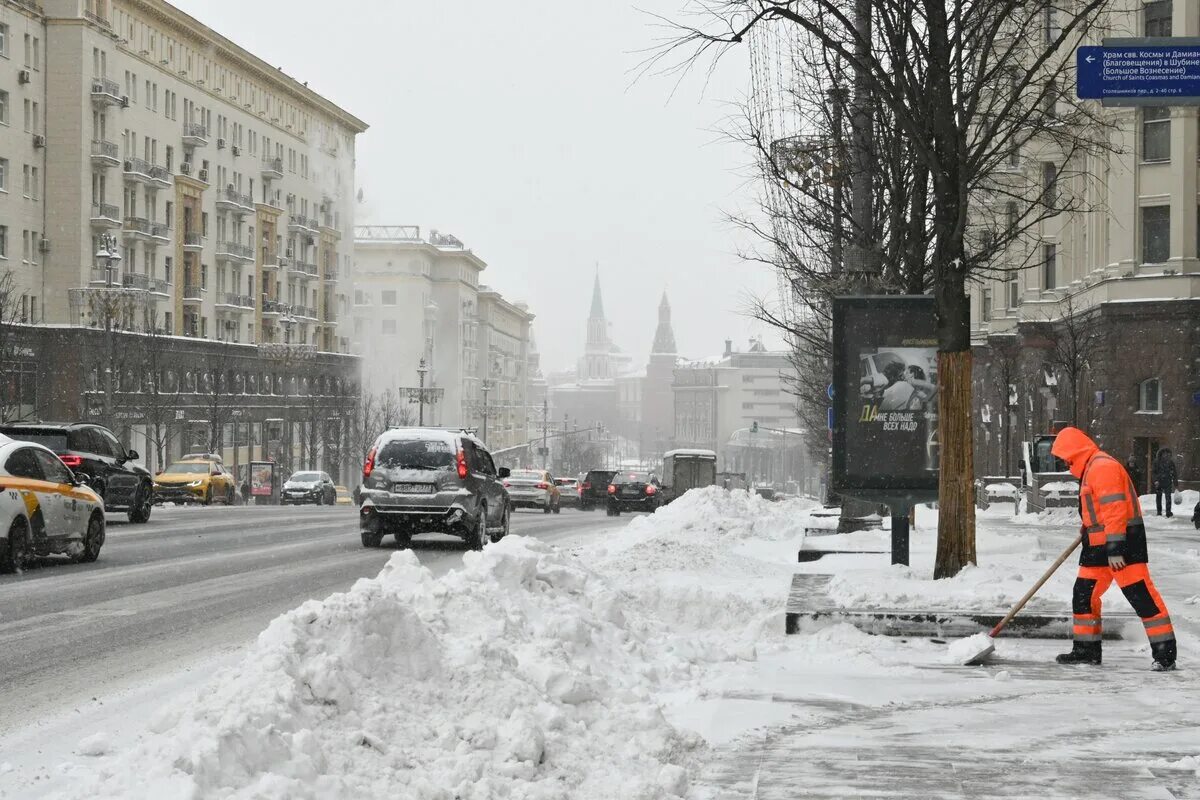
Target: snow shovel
(982, 645)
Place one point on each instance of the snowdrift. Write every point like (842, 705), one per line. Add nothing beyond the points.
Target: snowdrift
(529, 673)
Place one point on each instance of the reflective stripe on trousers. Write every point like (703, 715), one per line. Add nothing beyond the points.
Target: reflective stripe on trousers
(1139, 590)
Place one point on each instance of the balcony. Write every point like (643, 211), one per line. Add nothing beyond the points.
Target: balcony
(235, 201)
(193, 242)
(136, 228)
(305, 312)
(304, 270)
(97, 19)
(160, 233)
(238, 303)
(274, 308)
(299, 224)
(192, 293)
(142, 171)
(194, 134)
(138, 282)
(106, 92)
(105, 154)
(331, 275)
(272, 168)
(235, 253)
(160, 175)
(270, 259)
(105, 216)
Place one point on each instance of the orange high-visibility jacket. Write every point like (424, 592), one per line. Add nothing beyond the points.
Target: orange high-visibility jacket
(1108, 501)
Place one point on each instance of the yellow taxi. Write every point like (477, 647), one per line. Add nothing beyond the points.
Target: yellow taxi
(45, 508)
(195, 480)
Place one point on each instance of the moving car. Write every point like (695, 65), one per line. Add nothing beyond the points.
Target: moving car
(45, 508)
(432, 480)
(195, 481)
(633, 491)
(568, 491)
(534, 488)
(344, 498)
(593, 490)
(308, 487)
(93, 450)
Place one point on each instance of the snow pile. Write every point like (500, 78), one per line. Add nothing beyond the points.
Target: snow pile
(525, 674)
(968, 649)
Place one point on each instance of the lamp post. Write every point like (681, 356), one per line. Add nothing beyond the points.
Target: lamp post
(108, 252)
(487, 387)
(422, 371)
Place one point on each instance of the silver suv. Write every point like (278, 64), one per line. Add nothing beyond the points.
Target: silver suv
(432, 480)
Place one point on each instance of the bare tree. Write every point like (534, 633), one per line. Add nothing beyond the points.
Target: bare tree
(14, 380)
(160, 397)
(217, 393)
(972, 87)
(1075, 339)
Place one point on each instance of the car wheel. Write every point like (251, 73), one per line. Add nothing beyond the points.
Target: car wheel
(505, 525)
(371, 538)
(93, 540)
(478, 537)
(143, 502)
(15, 555)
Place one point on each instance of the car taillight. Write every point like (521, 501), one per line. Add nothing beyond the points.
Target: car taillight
(651, 490)
(74, 462)
(369, 464)
(612, 489)
(586, 486)
(507, 484)
(543, 485)
(581, 491)
(462, 464)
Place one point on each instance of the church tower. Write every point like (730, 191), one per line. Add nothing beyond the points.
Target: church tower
(664, 337)
(597, 353)
(658, 399)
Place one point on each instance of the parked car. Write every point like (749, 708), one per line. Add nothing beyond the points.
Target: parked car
(344, 498)
(196, 481)
(429, 480)
(93, 450)
(593, 490)
(534, 488)
(45, 508)
(568, 491)
(633, 491)
(308, 487)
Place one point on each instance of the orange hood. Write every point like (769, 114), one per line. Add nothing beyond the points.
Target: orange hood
(1074, 447)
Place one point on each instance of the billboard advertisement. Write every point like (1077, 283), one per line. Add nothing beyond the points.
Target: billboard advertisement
(262, 478)
(885, 413)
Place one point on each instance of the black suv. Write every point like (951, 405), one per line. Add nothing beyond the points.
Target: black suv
(633, 491)
(593, 490)
(432, 480)
(94, 451)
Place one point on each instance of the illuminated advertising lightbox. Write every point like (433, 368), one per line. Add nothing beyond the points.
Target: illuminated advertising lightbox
(885, 400)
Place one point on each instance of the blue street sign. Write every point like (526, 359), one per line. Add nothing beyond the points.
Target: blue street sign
(829, 391)
(1140, 72)
(829, 418)
(1196, 399)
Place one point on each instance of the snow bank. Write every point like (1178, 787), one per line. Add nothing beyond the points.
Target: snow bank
(529, 673)
(968, 649)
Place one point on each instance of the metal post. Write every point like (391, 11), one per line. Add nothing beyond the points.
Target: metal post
(421, 370)
(545, 425)
(486, 388)
(900, 532)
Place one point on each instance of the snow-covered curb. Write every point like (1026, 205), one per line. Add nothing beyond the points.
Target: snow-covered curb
(529, 673)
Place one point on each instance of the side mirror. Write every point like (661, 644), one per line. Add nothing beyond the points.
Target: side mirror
(81, 479)
(504, 472)
(131, 455)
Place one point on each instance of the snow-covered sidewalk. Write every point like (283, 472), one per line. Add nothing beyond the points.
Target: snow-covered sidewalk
(655, 665)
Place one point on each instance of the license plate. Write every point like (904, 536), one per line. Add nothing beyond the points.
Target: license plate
(412, 488)
(631, 491)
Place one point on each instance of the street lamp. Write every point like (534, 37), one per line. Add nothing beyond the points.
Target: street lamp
(108, 252)
(487, 387)
(422, 371)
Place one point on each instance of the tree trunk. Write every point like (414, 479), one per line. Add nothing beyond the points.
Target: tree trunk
(956, 502)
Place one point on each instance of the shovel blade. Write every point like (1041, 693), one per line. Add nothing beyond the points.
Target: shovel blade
(981, 656)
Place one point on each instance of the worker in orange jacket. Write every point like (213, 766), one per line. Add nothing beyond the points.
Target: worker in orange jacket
(1114, 548)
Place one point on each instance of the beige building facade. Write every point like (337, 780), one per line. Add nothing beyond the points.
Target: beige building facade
(227, 186)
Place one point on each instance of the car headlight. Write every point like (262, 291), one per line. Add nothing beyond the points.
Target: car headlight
(195, 484)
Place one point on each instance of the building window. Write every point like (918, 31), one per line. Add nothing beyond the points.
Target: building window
(1150, 396)
(1012, 218)
(1014, 293)
(1049, 23)
(1156, 133)
(3, 40)
(3, 241)
(3, 107)
(3, 174)
(985, 305)
(1049, 185)
(1049, 266)
(387, 297)
(1156, 15)
(389, 326)
(1156, 234)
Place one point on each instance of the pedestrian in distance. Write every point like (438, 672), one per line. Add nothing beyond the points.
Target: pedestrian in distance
(1166, 477)
(1114, 549)
(1137, 473)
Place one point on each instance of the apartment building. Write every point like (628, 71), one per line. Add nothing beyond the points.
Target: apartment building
(418, 297)
(1121, 282)
(226, 186)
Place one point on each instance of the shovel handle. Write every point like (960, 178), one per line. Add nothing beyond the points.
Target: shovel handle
(1041, 582)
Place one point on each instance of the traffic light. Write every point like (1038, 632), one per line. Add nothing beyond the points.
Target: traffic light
(754, 427)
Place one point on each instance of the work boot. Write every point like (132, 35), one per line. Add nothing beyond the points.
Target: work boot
(1163, 666)
(1163, 654)
(1081, 653)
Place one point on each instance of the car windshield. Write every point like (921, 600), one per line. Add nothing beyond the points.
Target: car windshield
(527, 475)
(416, 454)
(305, 477)
(631, 477)
(188, 469)
(51, 439)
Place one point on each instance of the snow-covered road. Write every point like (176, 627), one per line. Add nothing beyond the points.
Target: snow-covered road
(169, 601)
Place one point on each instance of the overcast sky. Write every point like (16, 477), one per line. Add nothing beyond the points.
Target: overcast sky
(515, 127)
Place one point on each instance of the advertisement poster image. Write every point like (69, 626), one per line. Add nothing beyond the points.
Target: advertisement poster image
(262, 478)
(896, 426)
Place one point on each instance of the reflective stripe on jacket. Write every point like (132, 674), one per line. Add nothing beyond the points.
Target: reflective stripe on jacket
(1108, 503)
